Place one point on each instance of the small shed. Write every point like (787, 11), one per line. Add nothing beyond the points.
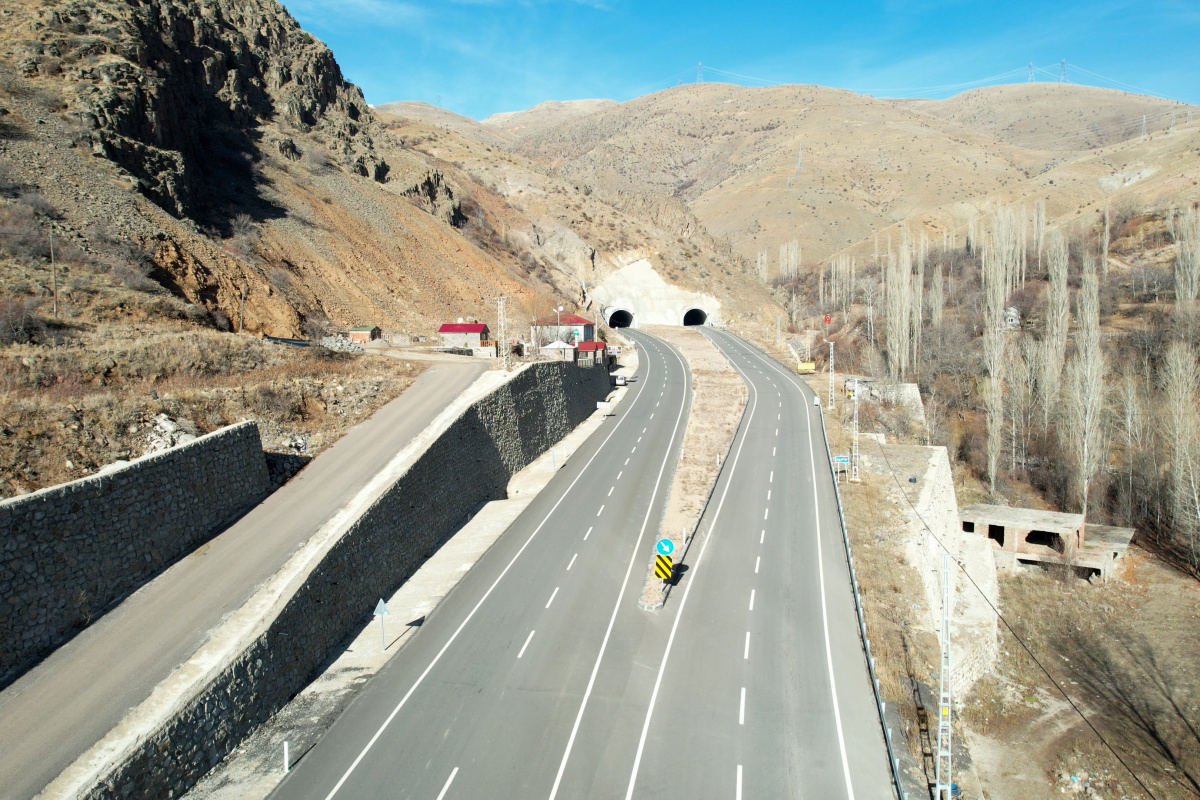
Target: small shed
(463, 334)
(590, 354)
(564, 327)
(365, 333)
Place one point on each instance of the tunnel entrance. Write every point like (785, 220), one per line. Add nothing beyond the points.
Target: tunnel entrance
(695, 316)
(620, 318)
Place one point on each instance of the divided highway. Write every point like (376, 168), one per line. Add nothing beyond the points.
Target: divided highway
(540, 677)
(491, 697)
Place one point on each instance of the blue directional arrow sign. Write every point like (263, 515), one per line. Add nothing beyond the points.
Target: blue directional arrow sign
(665, 547)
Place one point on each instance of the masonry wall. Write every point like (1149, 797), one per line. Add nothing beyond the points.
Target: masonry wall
(972, 622)
(470, 464)
(70, 552)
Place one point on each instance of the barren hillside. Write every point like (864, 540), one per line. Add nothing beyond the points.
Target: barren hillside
(545, 115)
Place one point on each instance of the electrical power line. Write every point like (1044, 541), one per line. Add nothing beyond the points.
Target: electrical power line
(1006, 624)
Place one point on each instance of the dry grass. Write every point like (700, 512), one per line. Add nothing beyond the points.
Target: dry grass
(718, 397)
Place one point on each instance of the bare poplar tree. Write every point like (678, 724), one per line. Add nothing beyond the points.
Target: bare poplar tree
(1057, 319)
(1130, 411)
(789, 259)
(1187, 258)
(899, 286)
(1039, 229)
(994, 292)
(1084, 412)
(918, 301)
(1181, 383)
(1022, 396)
(937, 298)
(1104, 248)
(761, 266)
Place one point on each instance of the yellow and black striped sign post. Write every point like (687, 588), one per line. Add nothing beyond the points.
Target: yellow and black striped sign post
(662, 567)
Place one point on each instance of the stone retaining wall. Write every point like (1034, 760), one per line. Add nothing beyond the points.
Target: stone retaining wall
(70, 552)
(469, 465)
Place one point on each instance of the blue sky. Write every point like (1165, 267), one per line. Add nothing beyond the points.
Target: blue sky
(485, 56)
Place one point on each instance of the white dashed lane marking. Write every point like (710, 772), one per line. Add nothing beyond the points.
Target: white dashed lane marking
(572, 562)
(589, 533)
(553, 595)
(751, 600)
(527, 641)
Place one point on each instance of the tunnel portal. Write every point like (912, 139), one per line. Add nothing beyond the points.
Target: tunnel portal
(695, 316)
(620, 318)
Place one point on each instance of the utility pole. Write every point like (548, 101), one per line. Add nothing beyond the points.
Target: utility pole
(854, 440)
(502, 332)
(942, 787)
(831, 401)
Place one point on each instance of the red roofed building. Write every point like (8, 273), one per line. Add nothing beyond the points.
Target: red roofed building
(590, 354)
(564, 327)
(463, 334)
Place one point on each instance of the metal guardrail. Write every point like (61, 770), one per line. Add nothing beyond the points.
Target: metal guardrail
(880, 705)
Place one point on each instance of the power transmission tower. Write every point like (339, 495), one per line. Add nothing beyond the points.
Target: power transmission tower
(699, 72)
(942, 787)
(502, 332)
(1030, 78)
(831, 401)
(854, 440)
(1062, 72)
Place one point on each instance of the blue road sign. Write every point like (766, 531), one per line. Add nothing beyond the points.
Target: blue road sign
(665, 547)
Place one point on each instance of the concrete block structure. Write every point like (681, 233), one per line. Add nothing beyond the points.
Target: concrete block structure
(365, 334)
(1031, 535)
(466, 335)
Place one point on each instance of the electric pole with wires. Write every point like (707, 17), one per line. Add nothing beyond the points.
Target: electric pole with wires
(943, 787)
(831, 401)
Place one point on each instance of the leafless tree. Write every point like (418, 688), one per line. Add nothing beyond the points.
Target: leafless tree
(1130, 412)
(762, 266)
(1181, 384)
(1104, 239)
(1022, 379)
(1039, 229)
(789, 259)
(1187, 258)
(995, 292)
(1057, 318)
(1084, 411)
(937, 298)
(899, 318)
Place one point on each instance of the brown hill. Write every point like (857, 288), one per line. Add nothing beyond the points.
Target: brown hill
(867, 163)
(545, 115)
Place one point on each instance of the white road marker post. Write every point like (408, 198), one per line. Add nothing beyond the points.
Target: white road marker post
(381, 611)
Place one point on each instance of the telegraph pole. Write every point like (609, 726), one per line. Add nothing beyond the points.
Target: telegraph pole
(502, 332)
(854, 440)
(943, 783)
(831, 401)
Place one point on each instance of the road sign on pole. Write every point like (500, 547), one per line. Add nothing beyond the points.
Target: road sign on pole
(663, 567)
(665, 547)
(381, 612)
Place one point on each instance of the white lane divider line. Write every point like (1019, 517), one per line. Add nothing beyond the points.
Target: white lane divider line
(619, 474)
(589, 533)
(742, 708)
(572, 562)
(768, 494)
(528, 639)
(446, 788)
(639, 439)
(751, 599)
(553, 595)
(651, 416)
(772, 477)
(470, 615)
(610, 491)
(777, 431)
(757, 561)
(626, 464)
(746, 651)
(634, 450)
(761, 538)
(766, 511)
(601, 511)
(778, 417)
(772, 451)
(738, 795)
(634, 558)
(643, 430)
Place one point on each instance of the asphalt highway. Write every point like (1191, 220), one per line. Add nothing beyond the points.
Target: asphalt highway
(539, 676)
(56, 711)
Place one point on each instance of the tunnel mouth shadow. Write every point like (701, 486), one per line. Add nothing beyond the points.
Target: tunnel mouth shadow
(695, 316)
(620, 318)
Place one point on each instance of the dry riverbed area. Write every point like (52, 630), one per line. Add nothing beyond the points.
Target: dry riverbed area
(718, 397)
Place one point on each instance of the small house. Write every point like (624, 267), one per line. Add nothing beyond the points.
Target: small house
(365, 334)
(466, 335)
(589, 354)
(562, 327)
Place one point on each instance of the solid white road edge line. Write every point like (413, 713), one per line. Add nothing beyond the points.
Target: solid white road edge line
(637, 761)
(633, 559)
(421, 678)
(449, 781)
(837, 715)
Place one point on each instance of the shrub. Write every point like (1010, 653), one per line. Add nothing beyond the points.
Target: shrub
(18, 320)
